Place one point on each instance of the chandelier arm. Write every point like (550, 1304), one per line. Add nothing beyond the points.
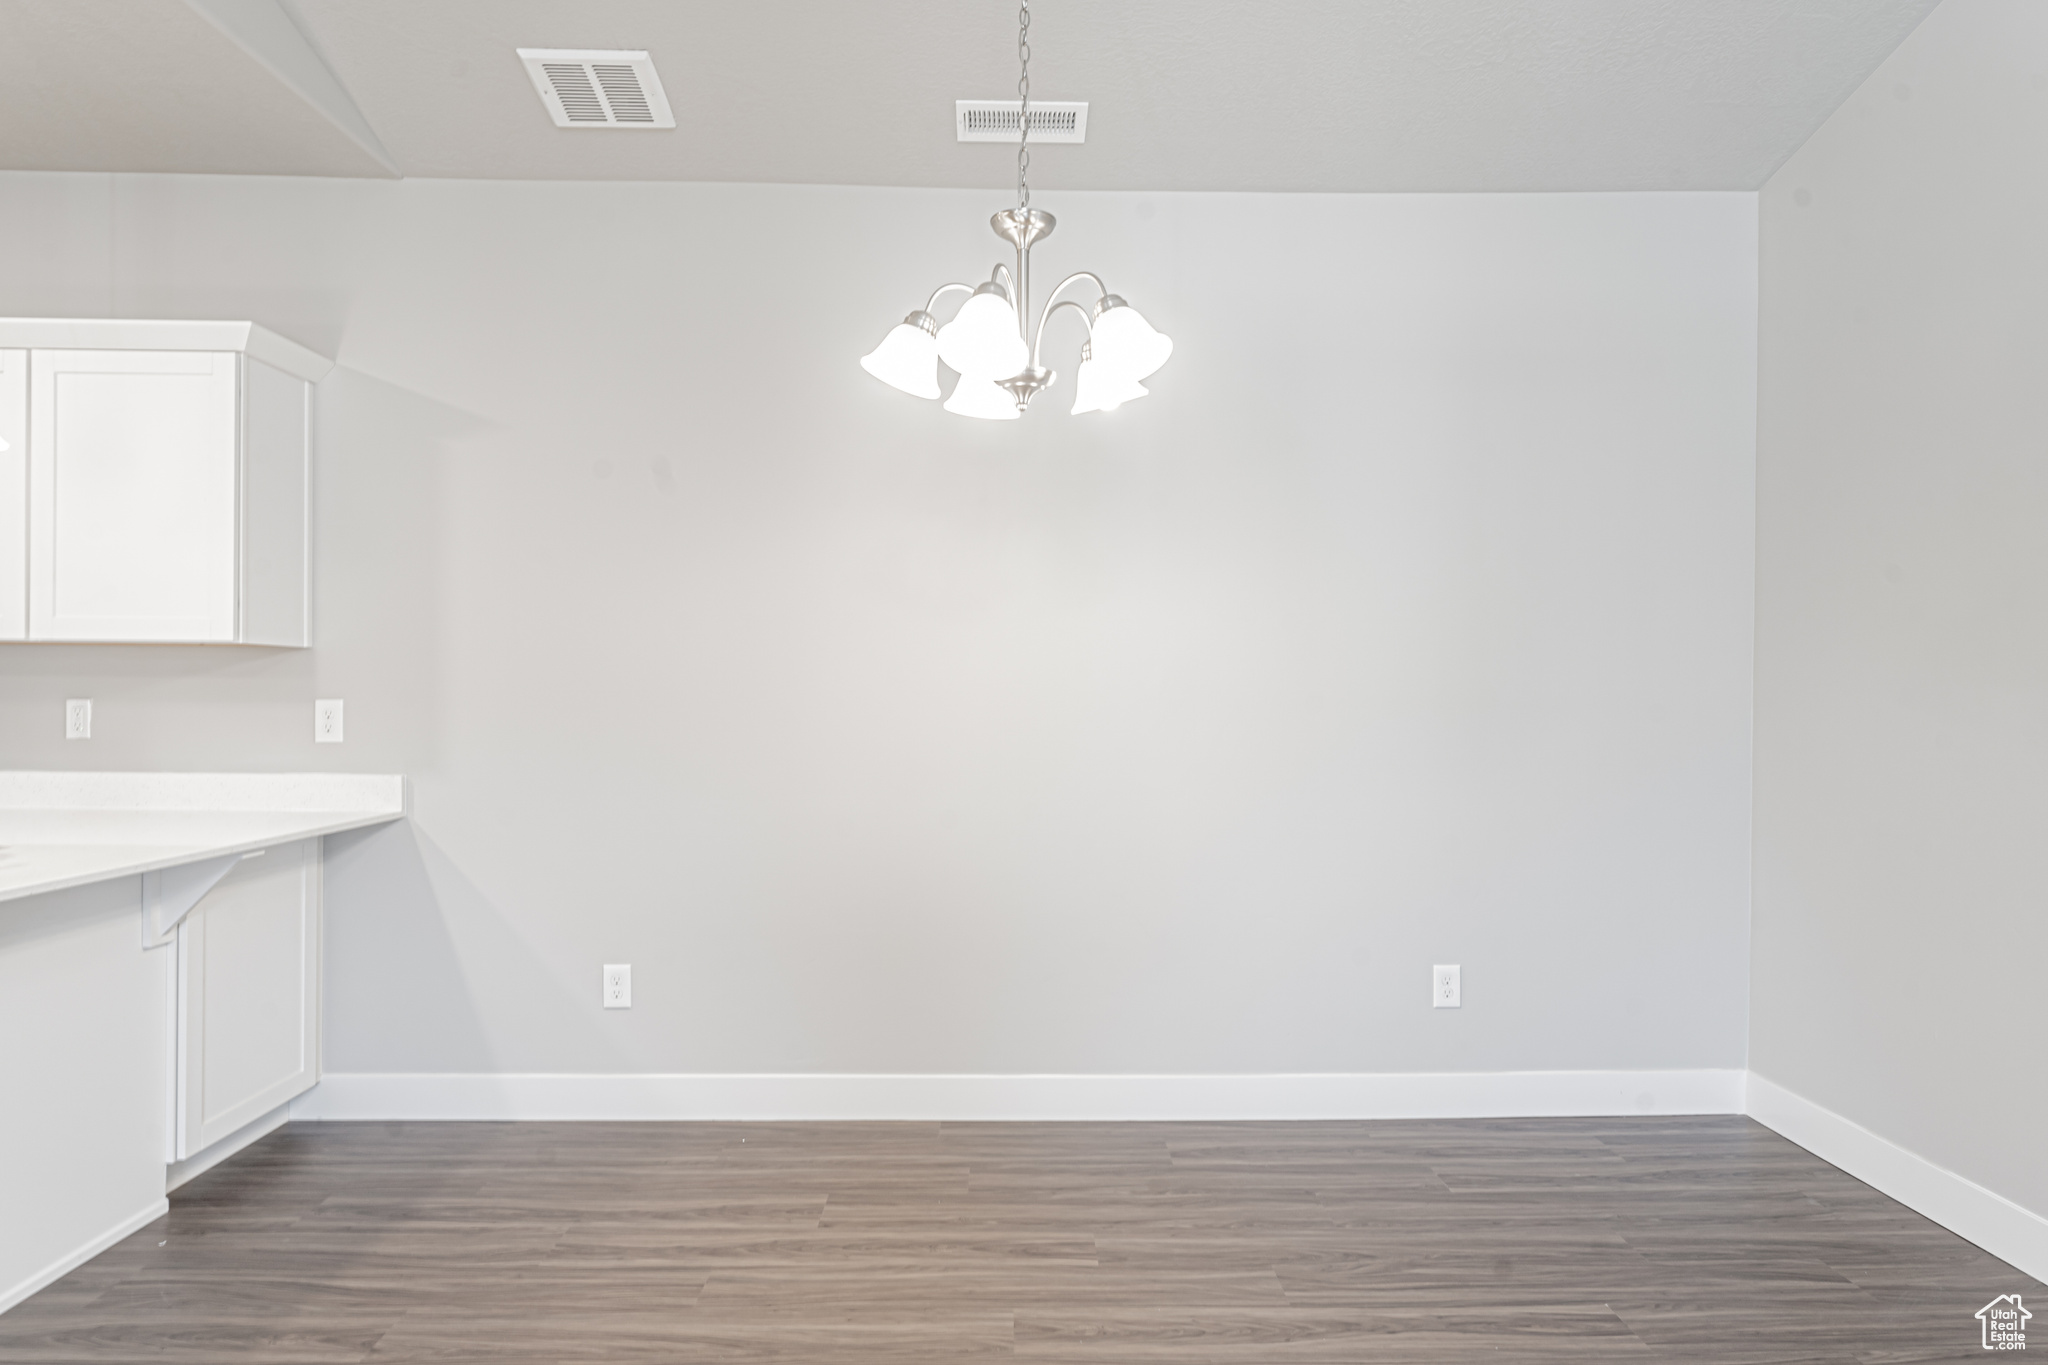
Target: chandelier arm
(1052, 308)
(1057, 290)
(1009, 279)
(945, 289)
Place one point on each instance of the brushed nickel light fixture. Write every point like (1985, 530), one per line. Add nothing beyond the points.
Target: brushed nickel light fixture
(989, 342)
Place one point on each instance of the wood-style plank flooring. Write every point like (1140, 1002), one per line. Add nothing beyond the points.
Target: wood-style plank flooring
(1585, 1240)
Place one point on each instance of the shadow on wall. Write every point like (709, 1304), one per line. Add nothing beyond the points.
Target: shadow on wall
(380, 500)
(405, 931)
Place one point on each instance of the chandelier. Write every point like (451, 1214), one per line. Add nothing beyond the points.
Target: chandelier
(989, 343)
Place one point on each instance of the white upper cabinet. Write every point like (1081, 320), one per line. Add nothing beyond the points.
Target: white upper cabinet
(131, 476)
(163, 496)
(13, 495)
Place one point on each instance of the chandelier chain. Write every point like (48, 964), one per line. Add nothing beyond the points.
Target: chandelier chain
(1024, 104)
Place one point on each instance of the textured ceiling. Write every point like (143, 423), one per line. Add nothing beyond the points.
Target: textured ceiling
(1341, 95)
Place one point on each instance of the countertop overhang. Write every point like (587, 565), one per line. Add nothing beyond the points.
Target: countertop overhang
(66, 829)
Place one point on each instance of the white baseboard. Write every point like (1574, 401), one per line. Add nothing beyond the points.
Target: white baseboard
(69, 1262)
(1500, 1094)
(199, 1163)
(1992, 1221)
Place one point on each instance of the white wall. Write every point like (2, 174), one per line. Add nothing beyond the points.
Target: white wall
(1902, 586)
(1410, 622)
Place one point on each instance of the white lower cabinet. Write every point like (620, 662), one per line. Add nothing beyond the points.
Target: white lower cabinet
(248, 996)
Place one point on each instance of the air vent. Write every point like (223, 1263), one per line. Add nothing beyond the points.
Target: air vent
(586, 88)
(996, 120)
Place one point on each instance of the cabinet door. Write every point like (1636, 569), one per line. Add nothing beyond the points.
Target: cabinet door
(13, 495)
(132, 495)
(249, 995)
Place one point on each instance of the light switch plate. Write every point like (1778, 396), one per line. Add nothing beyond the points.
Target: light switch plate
(78, 718)
(327, 721)
(1445, 991)
(618, 986)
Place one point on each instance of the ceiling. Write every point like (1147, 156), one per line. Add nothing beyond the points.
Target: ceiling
(1303, 95)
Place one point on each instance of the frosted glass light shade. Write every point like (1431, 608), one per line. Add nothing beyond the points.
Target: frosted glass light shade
(981, 397)
(907, 359)
(981, 341)
(1097, 389)
(1125, 344)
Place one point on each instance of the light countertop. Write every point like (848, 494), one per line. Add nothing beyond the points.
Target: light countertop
(68, 829)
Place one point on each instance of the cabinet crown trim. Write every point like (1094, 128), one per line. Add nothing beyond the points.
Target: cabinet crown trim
(157, 334)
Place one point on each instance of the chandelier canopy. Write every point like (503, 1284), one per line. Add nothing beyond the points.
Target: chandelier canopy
(990, 343)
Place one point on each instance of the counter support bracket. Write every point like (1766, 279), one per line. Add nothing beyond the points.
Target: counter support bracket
(169, 894)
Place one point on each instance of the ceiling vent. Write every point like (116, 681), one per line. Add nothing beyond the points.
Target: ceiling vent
(996, 120)
(589, 88)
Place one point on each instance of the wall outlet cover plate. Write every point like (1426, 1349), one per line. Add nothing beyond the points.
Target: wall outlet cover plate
(618, 986)
(1445, 990)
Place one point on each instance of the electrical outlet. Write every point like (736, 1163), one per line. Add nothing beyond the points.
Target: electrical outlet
(1444, 990)
(78, 718)
(618, 986)
(327, 722)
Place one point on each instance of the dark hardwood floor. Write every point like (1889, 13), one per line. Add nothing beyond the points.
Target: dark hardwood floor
(1655, 1239)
